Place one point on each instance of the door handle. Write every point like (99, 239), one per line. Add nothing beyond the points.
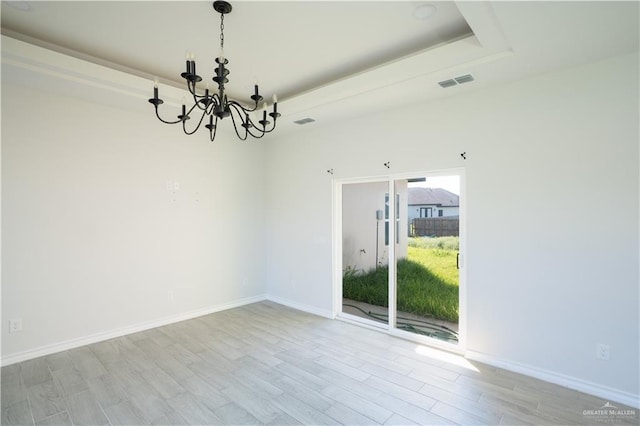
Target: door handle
(458, 260)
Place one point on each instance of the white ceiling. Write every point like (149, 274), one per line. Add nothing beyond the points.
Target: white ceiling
(287, 46)
(330, 60)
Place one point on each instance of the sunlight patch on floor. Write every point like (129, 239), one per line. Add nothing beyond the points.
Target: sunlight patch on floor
(447, 357)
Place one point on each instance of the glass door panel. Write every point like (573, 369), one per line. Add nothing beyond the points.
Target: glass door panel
(426, 258)
(365, 251)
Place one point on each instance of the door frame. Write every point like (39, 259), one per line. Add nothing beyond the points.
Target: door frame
(337, 266)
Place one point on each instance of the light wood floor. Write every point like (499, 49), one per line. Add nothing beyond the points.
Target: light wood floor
(268, 364)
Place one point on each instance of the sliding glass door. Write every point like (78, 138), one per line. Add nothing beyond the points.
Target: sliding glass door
(400, 254)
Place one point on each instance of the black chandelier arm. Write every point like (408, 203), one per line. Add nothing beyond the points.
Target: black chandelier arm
(191, 78)
(272, 128)
(239, 111)
(191, 86)
(210, 101)
(253, 126)
(184, 122)
(165, 121)
(216, 101)
(263, 130)
(238, 108)
(244, 108)
(197, 102)
(259, 135)
(213, 128)
(274, 115)
(259, 129)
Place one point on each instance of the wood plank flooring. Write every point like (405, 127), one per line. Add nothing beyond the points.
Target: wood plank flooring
(267, 364)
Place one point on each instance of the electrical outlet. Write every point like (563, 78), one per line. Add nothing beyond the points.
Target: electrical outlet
(15, 325)
(603, 352)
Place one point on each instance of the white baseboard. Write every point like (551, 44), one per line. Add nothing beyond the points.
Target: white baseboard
(301, 307)
(604, 392)
(118, 332)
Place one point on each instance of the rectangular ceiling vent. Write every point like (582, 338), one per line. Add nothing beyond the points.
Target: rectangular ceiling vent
(447, 83)
(304, 121)
(455, 81)
(464, 79)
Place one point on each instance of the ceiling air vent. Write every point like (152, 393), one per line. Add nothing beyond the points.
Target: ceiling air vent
(457, 80)
(464, 79)
(304, 121)
(447, 83)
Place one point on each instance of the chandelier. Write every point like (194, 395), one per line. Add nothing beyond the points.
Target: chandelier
(216, 106)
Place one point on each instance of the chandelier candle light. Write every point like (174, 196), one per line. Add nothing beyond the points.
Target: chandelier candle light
(217, 105)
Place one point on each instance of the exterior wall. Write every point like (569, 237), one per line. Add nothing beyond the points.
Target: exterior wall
(360, 225)
(414, 211)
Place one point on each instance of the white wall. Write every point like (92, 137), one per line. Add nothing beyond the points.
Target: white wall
(544, 286)
(93, 241)
(95, 237)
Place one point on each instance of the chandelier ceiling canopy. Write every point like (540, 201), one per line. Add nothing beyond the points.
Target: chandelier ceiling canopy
(214, 103)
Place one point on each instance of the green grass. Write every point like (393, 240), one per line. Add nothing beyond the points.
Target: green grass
(446, 243)
(427, 283)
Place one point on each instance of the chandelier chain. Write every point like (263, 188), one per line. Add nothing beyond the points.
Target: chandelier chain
(222, 30)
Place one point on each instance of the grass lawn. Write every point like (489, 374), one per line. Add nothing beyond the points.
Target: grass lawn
(427, 281)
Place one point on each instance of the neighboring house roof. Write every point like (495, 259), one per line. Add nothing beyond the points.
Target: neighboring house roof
(433, 196)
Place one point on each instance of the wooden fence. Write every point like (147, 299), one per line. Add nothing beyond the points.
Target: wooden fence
(435, 227)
